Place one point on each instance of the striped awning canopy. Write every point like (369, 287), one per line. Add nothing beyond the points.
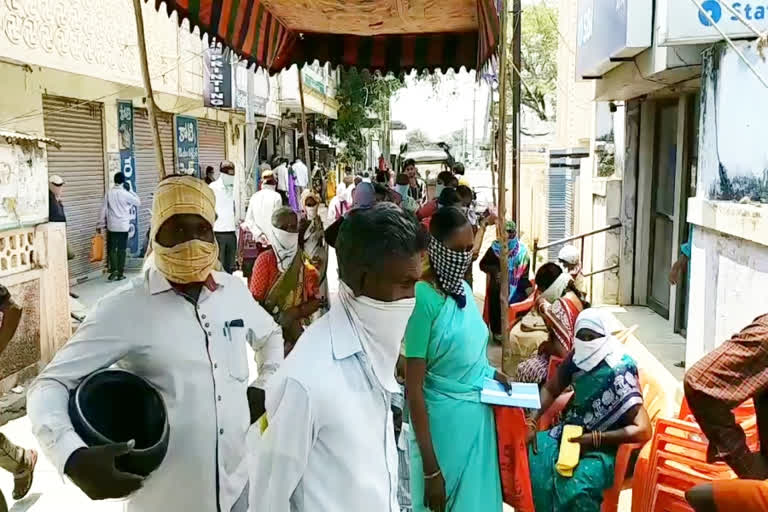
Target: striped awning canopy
(378, 35)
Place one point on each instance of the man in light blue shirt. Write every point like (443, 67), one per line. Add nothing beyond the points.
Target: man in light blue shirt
(120, 207)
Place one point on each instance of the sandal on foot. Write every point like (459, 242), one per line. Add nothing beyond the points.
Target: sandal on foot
(22, 481)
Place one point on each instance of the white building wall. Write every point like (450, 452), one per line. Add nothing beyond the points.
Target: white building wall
(729, 265)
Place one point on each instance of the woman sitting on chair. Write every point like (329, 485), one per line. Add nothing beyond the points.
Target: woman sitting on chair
(559, 304)
(607, 403)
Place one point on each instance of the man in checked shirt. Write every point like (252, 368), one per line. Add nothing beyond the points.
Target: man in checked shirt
(718, 383)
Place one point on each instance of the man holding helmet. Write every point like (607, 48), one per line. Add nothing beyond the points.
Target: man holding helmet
(183, 327)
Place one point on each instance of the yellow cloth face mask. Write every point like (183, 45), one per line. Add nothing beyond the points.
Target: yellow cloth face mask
(188, 262)
(570, 452)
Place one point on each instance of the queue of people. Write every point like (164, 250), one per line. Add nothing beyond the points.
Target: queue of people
(403, 333)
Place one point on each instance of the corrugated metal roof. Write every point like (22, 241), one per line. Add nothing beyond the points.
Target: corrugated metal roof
(15, 137)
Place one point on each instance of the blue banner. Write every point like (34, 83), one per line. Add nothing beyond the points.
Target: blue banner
(128, 167)
(186, 146)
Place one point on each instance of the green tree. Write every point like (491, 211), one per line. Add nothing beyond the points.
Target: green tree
(540, 39)
(363, 103)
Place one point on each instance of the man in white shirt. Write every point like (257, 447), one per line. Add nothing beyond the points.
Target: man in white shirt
(258, 218)
(120, 207)
(330, 442)
(225, 227)
(184, 328)
(281, 173)
(302, 176)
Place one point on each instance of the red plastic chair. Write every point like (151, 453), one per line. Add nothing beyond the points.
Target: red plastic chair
(642, 489)
(678, 459)
(519, 310)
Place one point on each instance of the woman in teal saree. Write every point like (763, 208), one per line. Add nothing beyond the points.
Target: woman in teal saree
(454, 460)
(607, 403)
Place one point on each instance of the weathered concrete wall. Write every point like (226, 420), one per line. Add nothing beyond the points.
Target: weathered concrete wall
(33, 266)
(729, 276)
(729, 264)
(734, 158)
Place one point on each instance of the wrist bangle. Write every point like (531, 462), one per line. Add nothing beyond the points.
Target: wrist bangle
(433, 475)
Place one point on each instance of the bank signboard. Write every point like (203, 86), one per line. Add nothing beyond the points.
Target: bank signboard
(610, 32)
(683, 22)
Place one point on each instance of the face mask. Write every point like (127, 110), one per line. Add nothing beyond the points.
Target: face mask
(311, 212)
(465, 211)
(402, 190)
(450, 267)
(285, 245)
(380, 327)
(227, 179)
(188, 262)
(439, 189)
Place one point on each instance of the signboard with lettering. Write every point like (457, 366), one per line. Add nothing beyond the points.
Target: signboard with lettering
(217, 77)
(128, 167)
(610, 31)
(686, 23)
(187, 161)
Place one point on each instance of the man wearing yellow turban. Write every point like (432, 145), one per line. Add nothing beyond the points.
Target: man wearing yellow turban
(183, 326)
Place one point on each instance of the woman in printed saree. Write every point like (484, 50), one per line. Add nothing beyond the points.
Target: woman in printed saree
(454, 458)
(519, 277)
(282, 281)
(607, 404)
(559, 304)
(313, 236)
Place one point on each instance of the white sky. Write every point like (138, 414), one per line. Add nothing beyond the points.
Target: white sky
(440, 112)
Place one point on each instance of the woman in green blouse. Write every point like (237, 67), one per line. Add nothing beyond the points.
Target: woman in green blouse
(454, 462)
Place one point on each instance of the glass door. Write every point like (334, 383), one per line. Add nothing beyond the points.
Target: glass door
(663, 208)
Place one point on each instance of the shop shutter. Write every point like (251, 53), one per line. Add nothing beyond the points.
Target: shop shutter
(77, 126)
(147, 172)
(212, 143)
(559, 208)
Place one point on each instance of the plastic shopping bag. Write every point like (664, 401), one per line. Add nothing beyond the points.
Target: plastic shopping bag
(97, 248)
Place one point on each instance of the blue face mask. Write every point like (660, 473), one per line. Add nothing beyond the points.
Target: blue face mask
(402, 190)
(439, 189)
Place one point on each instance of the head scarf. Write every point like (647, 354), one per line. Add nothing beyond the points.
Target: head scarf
(364, 196)
(191, 261)
(588, 354)
(450, 267)
(285, 244)
(557, 289)
(518, 256)
(306, 195)
(569, 254)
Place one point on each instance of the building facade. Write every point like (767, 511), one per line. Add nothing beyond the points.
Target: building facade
(693, 170)
(74, 105)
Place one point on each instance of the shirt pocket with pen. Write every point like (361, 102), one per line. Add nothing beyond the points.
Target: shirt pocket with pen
(236, 352)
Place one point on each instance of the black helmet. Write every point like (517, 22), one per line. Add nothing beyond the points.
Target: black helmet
(115, 406)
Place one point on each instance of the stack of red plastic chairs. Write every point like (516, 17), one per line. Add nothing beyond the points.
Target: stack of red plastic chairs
(677, 461)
